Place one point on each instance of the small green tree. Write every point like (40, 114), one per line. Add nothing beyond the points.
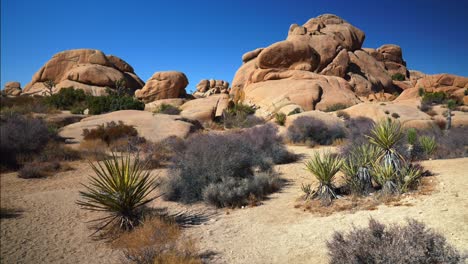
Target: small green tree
(50, 86)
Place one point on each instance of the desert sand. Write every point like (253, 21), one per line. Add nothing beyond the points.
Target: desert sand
(50, 227)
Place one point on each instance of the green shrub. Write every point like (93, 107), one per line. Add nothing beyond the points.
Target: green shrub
(280, 118)
(110, 103)
(385, 135)
(395, 115)
(167, 109)
(78, 110)
(335, 107)
(66, 98)
(120, 188)
(411, 135)
(240, 116)
(398, 77)
(428, 145)
(110, 132)
(324, 169)
(421, 91)
(434, 97)
(411, 243)
(306, 128)
(241, 108)
(451, 104)
(24, 105)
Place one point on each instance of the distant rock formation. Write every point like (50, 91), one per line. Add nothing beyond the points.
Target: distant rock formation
(209, 87)
(12, 89)
(86, 69)
(163, 85)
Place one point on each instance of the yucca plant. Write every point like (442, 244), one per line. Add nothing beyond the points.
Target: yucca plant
(428, 145)
(385, 135)
(356, 168)
(411, 135)
(324, 169)
(120, 187)
(387, 177)
(411, 176)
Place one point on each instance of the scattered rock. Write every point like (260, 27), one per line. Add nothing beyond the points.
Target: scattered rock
(12, 89)
(209, 87)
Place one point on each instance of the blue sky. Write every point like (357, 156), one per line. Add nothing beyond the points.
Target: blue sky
(206, 39)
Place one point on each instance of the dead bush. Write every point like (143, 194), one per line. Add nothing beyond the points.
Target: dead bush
(157, 241)
(308, 128)
(410, 243)
(110, 132)
(39, 170)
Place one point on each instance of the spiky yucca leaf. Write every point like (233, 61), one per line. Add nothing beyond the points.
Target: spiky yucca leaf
(386, 134)
(356, 167)
(411, 177)
(324, 169)
(119, 187)
(428, 144)
(387, 177)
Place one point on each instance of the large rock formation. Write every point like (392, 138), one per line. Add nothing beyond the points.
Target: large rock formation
(152, 127)
(205, 109)
(12, 89)
(86, 69)
(209, 87)
(163, 85)
(319, 64)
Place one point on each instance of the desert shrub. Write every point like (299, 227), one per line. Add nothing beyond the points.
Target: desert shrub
(55, 151)
(308, 128)
(231, 192)
(20, 136)
(335, 107)
(387, 112)
(421, 91)
(357, 167)
(356, 128)
(78, 110)
(157, 154)
(209, 159)
(66, 98)
(410, 243)
(398, 77)
(451, 104)
(385, 135)
(120, 188)
(425, 106)
(103, 104)
(324, 167)
(240, 116)
(428, 145)
(434, 97)
(441, 123)
(157, 241)
(38, 170)
(411, 135)
(466, 91)
(93, 149)
(110, 132)
(395, 115)
(280, 118)
(24, 105)
(343, 114)
(167, 109)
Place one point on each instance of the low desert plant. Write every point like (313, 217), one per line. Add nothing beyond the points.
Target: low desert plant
(324, 167)
(167, 109)
(411, 136)
(398, 77)
(280, 118)
(386, 176)
(335, 107)
(421, 91)
(395, 115)
(38, 170)
(343, 114)
(428, 145)
(112, 102)
(306, 128)
(157, 241)
(434, 97)
(410, 179)
(357, 168)
(21, 136)
(240, 116)
(410, 243)
(66, 99)
(120, 188)
(385, 135)
(24, 105)
(110, 132)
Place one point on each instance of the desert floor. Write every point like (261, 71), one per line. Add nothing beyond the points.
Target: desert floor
(50, 228)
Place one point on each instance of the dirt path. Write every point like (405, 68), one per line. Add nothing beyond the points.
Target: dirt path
(51, 228)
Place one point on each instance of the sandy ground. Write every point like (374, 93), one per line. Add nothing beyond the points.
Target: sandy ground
(52, 229)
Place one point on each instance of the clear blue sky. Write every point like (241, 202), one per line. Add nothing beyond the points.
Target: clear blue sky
(206, 39)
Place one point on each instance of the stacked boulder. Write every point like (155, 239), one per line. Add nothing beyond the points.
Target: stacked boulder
(163, 85)
(86, 69)
(209, 87)
(12, 89)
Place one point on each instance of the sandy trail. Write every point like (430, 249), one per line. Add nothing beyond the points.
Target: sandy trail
(51, 228)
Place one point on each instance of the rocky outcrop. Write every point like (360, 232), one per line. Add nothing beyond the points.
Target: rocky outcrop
(12, 89)
(209, 87)
(152, 127)
(392, 57)
(205, 109)
(86, 69)
(163, 85)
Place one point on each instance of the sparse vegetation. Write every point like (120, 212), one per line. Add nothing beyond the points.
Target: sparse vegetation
(112, 102)
(306, 128)
(167, 109)
(120, 187)
(280, 118)
(67, 99)
(428, 145)
(24, 105)
(110, 132)
(343, 114)
(217, 162)
(324, 167)
(411, 243)
(434, 97)
(335, 107)
(398, 77)
(38, 170)
(240, 116)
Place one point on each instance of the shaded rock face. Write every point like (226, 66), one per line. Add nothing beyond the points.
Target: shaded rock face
(209, 87)
(163, 85)
(12, 89)
(205, 109)
(86, 69)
